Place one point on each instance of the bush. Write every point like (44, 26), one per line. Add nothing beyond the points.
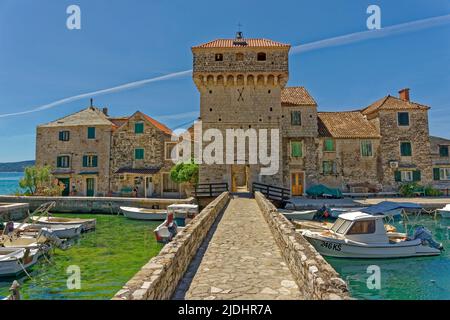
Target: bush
(185, 172)
(430, 191)
(408, 189)
(38, 181)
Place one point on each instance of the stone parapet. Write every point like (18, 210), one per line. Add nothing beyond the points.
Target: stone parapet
(315, 277)
(158, 279)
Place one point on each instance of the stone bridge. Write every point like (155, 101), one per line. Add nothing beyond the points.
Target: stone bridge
(238, 247)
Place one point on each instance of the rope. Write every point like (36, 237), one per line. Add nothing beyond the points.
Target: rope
(23, 268)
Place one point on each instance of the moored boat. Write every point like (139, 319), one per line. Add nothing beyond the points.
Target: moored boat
(298, 215)
(60, 231)
(144, 214)
(87, 224)
(360, 235)
(178, 216)
(16, 261)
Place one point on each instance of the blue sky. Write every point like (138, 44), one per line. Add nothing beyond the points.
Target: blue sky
(121, 41)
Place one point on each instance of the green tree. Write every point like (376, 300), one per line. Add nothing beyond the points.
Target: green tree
(185, 173)
(40, 181)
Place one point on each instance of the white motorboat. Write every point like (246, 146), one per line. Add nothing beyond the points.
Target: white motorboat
(59, 230)
(16, 261)
(87, 224)
(298, 215)
(361, 235)
(444, 212)
(143, 214)
(178, 216)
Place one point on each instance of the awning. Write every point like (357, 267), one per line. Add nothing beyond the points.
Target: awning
(62, 172)
(141, 171)
(88, 173)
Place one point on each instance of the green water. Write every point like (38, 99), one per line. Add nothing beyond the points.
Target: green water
(423, 278)
(107, 257)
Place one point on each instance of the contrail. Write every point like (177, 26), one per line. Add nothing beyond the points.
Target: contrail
(122, 87)
(331, 42)
(372, 34)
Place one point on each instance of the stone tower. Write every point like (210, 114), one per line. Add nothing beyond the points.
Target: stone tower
(240, 82)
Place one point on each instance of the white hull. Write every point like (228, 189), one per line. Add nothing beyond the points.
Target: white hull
(12, 264)
(87, 224)
(143, 214)
(299, 215)
(61, 231)
(350, 249)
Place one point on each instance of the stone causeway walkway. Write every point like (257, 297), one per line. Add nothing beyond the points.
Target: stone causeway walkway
(242, 260)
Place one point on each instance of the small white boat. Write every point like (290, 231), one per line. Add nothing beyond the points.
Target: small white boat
(59, 230)
(298, 215)
(444, 212)
(143, 214)
(178, 216)
(87, 224)
(361, 235)
(16, 261)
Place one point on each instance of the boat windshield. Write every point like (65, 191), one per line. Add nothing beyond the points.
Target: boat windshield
(341, 226)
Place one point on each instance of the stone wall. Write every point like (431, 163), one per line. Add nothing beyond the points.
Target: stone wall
(13, 211)
(106, 205)
(158, 279)
(314, 276)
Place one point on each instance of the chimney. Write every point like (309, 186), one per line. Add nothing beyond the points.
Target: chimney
(404, 94)
(105, 111)
(92, 102)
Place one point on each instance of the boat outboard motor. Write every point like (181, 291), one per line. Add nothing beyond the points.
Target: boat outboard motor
(425, 235)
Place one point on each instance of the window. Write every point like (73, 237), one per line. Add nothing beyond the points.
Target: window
(261, 56)
(407, 176)
(403, 119)
(239, 56)
(444, 174)
(90, 161)
(296, 149)
(219, 57)
(405, 149)
(362, 227)
(91, 133)
(168, 184)
(342, 226)
(63, 162)
(168, 148)
(443, 151)
(328, 145)
(296, 118)
(366, 148)
(139, 127)
(64, 136)
(328, 167)
(139, 154)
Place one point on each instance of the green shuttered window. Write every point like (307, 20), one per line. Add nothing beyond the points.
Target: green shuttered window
(366, 148)
(329, 145)
(90, 161)
(91, 133)
(139, 154)
(296, 149)
(443, 151)
(296, 118)
(139, 127)
(63, 162)
(328, 167)
(64, 136)
(403, 119)
(408, 176)
(436, 174)
(405, 149)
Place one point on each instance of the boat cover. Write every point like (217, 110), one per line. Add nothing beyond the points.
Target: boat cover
(385, 206)
(320, 190)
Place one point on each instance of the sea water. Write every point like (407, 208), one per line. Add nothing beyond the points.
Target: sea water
(407, 278)
(107, 258)
(9, 182)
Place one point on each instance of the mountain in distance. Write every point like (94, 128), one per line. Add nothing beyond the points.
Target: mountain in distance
(15, 166)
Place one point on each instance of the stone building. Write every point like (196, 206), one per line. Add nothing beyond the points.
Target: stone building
(97, 155)
(440, 158)
(242, 85)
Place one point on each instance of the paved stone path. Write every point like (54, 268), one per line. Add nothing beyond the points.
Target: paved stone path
(242, 260)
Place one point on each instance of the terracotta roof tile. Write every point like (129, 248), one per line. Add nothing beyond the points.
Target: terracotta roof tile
(393, 103)
(90, 116)
(346, 125)
(159, 125)
(296, 96)
(248, 43)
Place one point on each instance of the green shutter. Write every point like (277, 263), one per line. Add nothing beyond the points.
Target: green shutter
(139, 154)
(398, 176)
(85, 161)
(94, 161)
(296, 118)
(405, 149)
(296, 149)
(443, 151)
(329, 145)
(417, 175)
(60, 136)
(91, 133)
(436, 174)
(58, 162)
(403, 118)
(139, 127)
